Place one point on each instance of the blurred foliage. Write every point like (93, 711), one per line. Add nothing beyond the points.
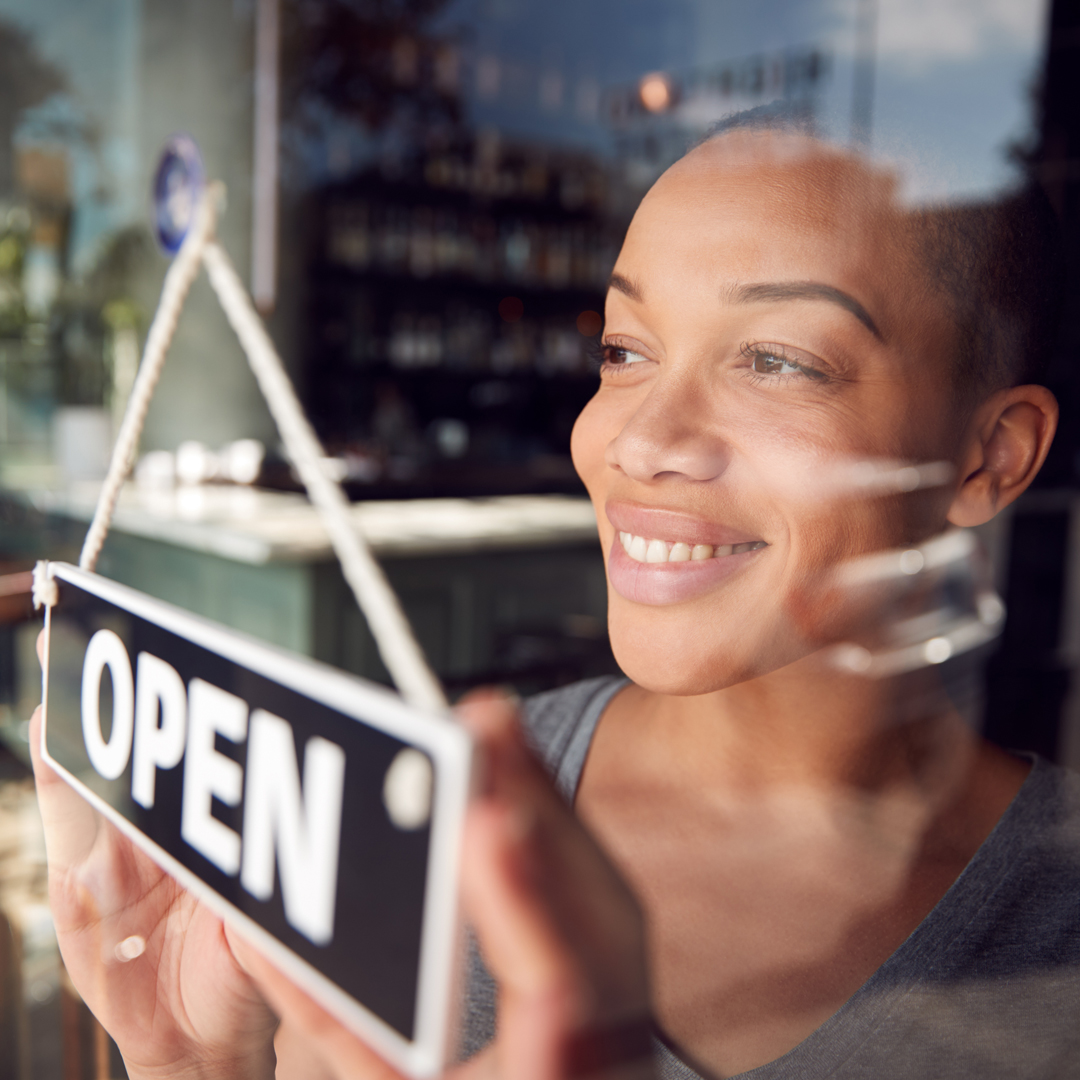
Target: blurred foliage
(14, 234)
(128, 257)
(121, 315)
(95, 308)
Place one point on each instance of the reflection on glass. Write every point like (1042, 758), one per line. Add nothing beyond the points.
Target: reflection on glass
(833, 864)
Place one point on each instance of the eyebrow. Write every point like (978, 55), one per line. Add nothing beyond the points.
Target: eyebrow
(626, 287)
(803, 290)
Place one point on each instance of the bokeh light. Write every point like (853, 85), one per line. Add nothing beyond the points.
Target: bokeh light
(511, 309)
(589, 323)
(656, 91)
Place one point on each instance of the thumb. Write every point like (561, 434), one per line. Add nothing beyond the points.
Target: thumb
(341, 1051)
(71, 824)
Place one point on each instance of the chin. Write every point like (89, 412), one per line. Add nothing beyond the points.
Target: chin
(671, 683)
(681, 657)
(678, 668)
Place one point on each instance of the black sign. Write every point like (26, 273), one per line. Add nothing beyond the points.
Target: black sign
(319, 813)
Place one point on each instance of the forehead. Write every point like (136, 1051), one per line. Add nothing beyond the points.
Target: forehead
(748, 207)
(804, 179)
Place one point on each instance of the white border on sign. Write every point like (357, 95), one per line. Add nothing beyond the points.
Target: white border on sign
(449, 744)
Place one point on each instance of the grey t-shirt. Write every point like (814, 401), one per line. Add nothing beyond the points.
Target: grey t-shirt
(988, 984)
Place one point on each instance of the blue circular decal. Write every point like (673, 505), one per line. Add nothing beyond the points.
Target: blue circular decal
(178, 185)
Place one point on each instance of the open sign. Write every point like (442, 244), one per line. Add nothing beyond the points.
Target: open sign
(318, 813)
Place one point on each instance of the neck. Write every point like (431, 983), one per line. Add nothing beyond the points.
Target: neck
(808, 726)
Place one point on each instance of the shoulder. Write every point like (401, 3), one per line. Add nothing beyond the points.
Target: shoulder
(1040, 832)
(1023, 886)
(559, 725)
(1039, 846)
(988, 985)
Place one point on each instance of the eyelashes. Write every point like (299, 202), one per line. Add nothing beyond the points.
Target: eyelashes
(763, 362)
(594, 353)
(767, 361)
(610, 357)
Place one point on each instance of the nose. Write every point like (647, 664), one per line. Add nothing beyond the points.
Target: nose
(674, 432)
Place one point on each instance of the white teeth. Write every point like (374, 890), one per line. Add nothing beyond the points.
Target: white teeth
(660, 551)
(657, 551)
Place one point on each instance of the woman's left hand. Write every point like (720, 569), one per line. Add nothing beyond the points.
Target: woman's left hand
(559, 930)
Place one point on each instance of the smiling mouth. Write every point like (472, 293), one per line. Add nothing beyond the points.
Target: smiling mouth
(643, 550)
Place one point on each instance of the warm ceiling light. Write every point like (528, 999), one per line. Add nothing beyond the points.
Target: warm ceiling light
(656, 92)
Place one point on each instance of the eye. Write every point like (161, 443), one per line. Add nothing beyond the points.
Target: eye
(766, 363)
(618, 356)
(774, 361)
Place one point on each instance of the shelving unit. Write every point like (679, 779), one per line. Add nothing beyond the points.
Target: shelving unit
(451, 313)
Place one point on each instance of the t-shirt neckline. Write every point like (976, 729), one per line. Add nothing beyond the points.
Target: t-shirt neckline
(827, 1047)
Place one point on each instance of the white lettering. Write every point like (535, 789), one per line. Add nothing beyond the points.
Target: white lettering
(156, 747)
(106, 650)
(306, 834)
(208, 774)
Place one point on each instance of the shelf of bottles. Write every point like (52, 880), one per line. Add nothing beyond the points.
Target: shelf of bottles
(456, 310)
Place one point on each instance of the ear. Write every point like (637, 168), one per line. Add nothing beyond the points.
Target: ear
(1007, 441)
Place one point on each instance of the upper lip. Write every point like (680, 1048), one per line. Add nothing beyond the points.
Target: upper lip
(673, 526)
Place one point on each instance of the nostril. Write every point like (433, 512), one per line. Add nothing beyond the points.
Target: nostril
(649, 455)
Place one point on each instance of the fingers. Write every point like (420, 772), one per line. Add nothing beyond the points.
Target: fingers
(520, 941)
(541, 996)
(558, 928)
(541, 850)
(71, 824)
(491, 714)
(295, 1058)
(343, 1054)
(552, 915)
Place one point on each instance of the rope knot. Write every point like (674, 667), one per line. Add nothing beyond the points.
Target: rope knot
(45, 590)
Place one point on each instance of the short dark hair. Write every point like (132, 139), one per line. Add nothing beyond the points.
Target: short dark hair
(999, 264)
(785, 116)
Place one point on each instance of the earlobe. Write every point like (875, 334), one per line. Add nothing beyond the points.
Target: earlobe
(1007, 442)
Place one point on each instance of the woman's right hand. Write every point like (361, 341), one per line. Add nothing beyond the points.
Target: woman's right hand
(182, 1007)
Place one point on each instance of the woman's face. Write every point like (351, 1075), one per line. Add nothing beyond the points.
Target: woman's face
(766, 326)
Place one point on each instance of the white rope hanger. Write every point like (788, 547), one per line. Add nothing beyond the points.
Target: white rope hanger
(393, 635)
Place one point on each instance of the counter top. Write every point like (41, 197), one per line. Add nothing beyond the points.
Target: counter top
(257, 527)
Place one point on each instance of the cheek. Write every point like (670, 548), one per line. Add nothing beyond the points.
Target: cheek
(593, 430)
(787, 606)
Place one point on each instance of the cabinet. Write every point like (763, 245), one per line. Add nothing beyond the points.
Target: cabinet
(508, 590)
(535, 618)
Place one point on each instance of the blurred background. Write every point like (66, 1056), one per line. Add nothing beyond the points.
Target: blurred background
(426, 198)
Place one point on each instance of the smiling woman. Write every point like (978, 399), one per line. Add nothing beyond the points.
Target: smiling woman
(774, 311)
(776, 864)
(830, 866)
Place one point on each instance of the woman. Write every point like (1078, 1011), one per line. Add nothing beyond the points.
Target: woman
(829, 885)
